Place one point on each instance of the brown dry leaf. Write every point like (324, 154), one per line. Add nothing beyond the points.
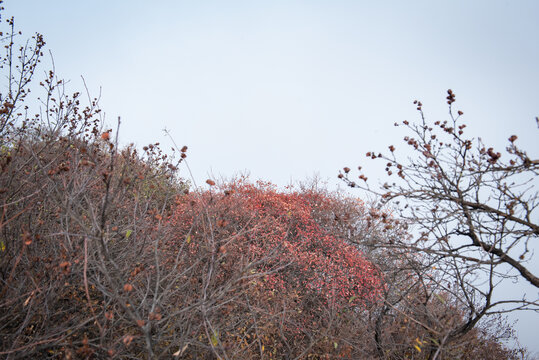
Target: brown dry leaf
(65, 266)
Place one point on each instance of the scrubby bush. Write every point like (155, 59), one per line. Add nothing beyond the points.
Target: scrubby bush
(106, 252)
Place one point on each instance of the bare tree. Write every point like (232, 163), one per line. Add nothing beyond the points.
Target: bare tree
(473, 213)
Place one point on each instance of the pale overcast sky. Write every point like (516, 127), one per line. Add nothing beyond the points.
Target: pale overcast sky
(288, 89)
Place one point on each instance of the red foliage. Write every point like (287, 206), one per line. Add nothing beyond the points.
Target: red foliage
(257, 223)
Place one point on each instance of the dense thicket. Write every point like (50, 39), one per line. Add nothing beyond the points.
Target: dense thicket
(105, 252)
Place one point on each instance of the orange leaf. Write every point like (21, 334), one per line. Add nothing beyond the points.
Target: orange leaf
(128, 339)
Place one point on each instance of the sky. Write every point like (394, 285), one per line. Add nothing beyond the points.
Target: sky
(289, 90)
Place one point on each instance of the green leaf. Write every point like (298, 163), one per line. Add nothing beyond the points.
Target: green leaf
(352, 299)
(440, 298)
(335, 345)
(2, 246)
(214, 339)
(188, 238)
(128, 234)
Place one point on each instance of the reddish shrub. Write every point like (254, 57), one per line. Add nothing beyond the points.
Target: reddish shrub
(256, 222)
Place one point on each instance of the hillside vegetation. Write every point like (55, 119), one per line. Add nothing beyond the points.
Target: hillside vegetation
(108, 252)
